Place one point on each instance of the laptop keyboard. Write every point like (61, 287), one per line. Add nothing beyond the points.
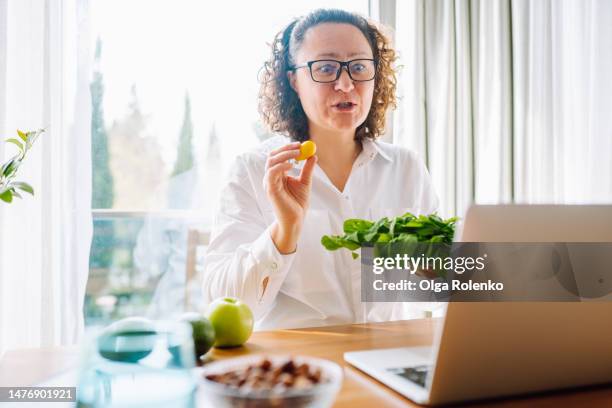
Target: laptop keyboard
(417, 374)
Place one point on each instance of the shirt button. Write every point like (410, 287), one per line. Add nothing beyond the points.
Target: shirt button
(274, 265)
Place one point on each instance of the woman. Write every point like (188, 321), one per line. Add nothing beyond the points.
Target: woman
(330, 80)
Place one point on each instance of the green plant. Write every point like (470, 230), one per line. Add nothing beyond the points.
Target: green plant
(9, 187)
(405, 228)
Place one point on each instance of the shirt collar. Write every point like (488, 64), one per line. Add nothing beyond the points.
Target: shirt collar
(370, 149)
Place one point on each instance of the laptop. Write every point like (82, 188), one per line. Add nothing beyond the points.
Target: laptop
(494, 349)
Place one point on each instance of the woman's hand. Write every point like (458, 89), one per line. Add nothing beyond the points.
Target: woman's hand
(289, 195)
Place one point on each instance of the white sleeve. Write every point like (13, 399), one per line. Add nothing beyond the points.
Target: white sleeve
(241, 259)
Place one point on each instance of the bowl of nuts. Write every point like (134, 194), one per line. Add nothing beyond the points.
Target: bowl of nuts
(270, 381)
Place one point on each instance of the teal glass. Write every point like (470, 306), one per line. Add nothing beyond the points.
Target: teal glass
(139, 369)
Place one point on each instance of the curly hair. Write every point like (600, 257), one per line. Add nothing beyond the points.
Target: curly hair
(279, 104)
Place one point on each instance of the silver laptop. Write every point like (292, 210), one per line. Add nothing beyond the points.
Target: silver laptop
(493, 349)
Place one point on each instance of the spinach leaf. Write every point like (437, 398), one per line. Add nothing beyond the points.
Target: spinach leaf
(406, 228)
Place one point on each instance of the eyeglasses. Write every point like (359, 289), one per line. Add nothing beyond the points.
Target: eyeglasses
(359, 70)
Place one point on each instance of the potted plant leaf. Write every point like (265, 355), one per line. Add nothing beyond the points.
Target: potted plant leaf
(8, 186)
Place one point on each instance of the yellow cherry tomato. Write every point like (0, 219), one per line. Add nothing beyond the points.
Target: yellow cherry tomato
(307, 150)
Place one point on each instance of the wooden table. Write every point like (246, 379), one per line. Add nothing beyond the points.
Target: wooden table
(358, 389)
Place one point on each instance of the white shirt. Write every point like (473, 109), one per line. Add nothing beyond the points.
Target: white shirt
(312, 286)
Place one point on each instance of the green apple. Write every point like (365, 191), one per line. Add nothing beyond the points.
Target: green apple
(232, 320)
(203, 332)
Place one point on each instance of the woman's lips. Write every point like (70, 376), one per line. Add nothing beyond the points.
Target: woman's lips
(344, 107)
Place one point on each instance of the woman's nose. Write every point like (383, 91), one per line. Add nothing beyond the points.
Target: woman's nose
(344, 83)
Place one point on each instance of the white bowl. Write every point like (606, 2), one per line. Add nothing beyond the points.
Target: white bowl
(221, 395)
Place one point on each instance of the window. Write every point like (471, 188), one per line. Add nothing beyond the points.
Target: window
(174, 100)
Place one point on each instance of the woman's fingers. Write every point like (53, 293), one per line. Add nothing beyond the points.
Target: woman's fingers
(281, 157)
(276, 172)
(307, 170)
(290, 146)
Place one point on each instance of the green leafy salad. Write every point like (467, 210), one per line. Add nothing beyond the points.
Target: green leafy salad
(406, 228)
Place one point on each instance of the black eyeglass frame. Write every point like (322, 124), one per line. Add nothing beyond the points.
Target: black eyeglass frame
(342, 65)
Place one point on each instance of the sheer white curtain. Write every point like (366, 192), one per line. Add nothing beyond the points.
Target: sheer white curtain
(563, 100)
(508, 101)
(45, 239)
